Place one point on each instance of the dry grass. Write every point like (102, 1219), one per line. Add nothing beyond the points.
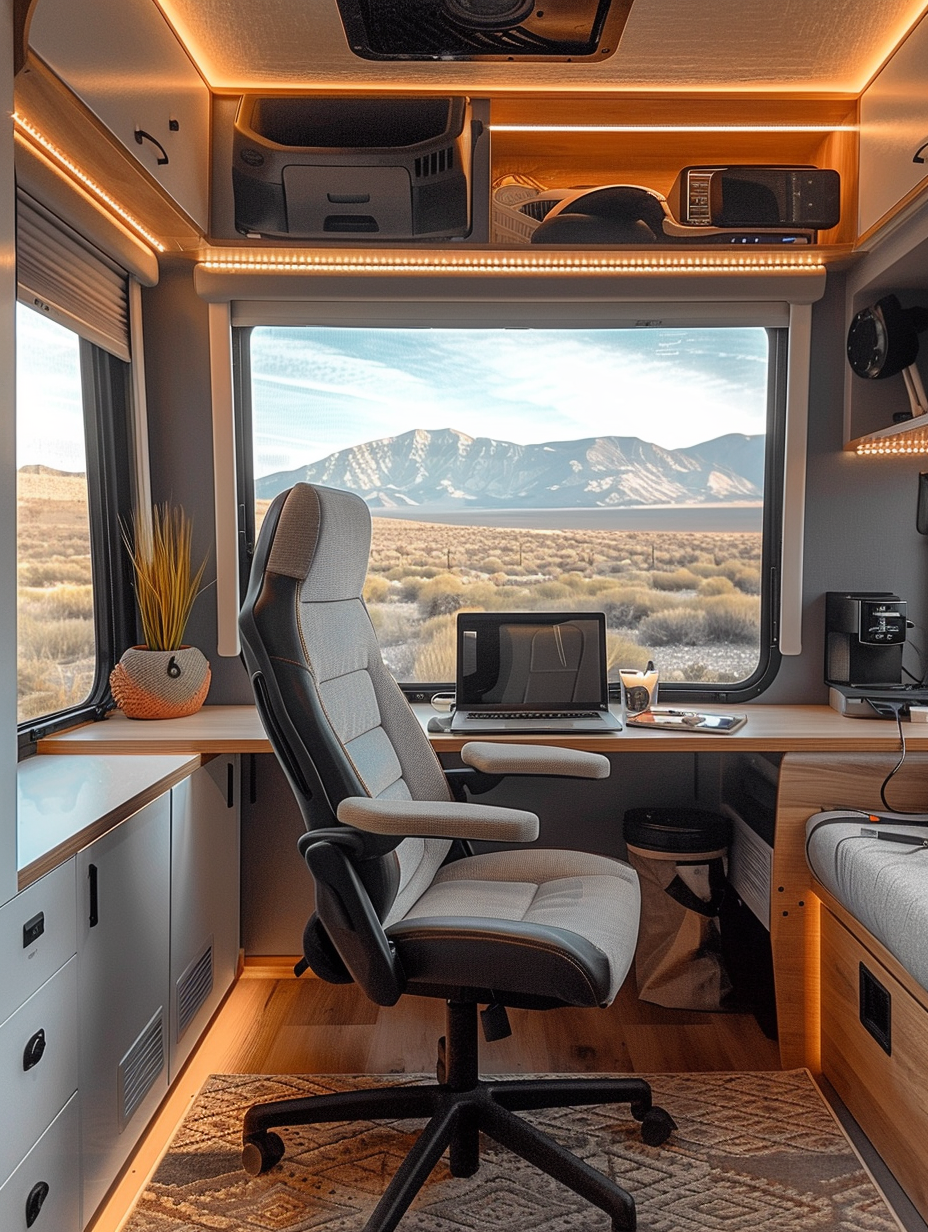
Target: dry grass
(166, 584)
(56, 651)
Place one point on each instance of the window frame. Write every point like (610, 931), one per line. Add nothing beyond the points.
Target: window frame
(106, 400)
(771, 529)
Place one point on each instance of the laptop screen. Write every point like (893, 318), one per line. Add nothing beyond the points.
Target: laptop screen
(536, 660)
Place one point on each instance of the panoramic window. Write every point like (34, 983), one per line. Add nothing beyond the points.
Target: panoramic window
(56, 639)
(621, 470)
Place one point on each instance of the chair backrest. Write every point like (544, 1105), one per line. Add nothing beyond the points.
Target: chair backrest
(335, 716)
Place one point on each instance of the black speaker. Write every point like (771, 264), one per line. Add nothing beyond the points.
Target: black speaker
(747, 195)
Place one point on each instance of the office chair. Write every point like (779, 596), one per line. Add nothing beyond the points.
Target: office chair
(401, 904)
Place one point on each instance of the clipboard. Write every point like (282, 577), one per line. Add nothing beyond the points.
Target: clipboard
(666, 718)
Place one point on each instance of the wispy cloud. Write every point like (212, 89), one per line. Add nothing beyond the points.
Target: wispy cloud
(320, 390)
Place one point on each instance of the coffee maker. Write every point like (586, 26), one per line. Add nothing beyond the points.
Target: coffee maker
(864, 635)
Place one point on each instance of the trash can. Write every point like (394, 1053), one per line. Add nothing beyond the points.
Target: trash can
(680, 857)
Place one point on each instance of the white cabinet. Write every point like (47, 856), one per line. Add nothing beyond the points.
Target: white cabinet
(894, 131)
(43, 1194)
(38, 1057)
(122, 59)
(123, 895)
(204, 899)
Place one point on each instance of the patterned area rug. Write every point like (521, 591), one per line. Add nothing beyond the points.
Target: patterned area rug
(753, 1152)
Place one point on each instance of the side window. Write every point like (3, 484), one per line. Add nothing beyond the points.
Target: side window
(68, 503)
(56, 637)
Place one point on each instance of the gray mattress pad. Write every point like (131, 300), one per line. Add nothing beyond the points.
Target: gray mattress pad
(882, 882)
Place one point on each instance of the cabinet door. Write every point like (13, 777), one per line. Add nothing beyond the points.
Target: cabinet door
(204, 899)
(123, 927)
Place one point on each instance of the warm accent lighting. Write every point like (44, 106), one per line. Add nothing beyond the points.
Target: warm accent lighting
(515, 263)
(673, 128)
(84, 180)
(896, 441)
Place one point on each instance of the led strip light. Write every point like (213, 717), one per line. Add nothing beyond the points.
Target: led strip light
(512, 263)
(91, 185)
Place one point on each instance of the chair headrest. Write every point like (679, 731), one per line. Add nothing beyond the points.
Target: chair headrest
(323, 538)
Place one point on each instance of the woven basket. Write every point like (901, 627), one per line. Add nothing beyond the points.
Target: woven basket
(160, 684)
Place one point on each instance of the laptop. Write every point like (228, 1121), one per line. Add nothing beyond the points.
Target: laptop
(531, 672)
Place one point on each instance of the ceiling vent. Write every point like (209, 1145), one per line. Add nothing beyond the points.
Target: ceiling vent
(484, 29)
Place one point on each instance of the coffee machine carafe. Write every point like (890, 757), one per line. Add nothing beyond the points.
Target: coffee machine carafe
(864, 636)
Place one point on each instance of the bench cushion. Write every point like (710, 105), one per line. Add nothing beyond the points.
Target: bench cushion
(882, 884)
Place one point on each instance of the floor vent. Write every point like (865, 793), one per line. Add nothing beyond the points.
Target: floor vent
(193, 987)
(140, 1067)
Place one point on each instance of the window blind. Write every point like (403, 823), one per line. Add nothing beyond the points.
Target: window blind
(62, 274)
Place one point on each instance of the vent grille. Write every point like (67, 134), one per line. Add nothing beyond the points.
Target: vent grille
(193, 987)
(140, 1067)
(435, 163)
(427, 30)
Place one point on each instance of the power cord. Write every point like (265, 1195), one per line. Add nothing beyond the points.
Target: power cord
(896, 708)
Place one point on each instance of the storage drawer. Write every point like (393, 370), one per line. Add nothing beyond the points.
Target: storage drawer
(886, 1091)
(38, 934)
(38, 1063)
(54, 1162)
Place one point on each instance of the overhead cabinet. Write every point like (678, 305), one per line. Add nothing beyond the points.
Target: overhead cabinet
(121, 58)
(894, 131)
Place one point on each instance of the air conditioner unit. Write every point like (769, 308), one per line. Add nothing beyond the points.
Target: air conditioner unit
(355, 168)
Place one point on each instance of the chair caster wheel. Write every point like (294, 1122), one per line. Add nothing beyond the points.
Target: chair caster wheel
(656, 1126)
(261, 1152)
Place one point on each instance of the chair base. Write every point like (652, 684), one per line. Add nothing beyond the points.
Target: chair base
(458, 1109)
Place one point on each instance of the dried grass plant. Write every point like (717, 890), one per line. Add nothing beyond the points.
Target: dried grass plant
(166, 583)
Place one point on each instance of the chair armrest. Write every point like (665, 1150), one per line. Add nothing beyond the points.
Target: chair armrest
(492, 757)
(439, 819)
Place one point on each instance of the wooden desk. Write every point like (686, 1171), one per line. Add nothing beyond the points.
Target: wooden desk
(769, 729)
(828, 761)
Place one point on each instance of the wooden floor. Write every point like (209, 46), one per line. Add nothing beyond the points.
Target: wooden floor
(270, 1025)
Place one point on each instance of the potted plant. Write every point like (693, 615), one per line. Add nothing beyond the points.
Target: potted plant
(164, 679)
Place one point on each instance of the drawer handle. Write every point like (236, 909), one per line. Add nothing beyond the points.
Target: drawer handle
(37, 1195)
(34, 1050)
(94, 903)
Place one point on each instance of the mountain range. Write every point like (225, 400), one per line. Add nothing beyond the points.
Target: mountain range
(444, 470)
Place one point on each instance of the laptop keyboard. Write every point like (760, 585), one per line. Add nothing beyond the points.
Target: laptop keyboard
(532, 714)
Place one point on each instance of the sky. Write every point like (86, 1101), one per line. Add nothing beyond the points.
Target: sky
(49, 412)
(318, 390)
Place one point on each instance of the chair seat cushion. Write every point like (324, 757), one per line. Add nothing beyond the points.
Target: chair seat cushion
(882, 884)
(557, 925)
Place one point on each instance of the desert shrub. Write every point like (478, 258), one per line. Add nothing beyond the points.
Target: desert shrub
(682, 626)
(622, 651)
(376, 589)
(57, 640)
(441, 595)
(732, 618)
(435, 655)
(717, 585)
(551, 590)
(51, 603)
(679, 579)
(745, 576)
(624, 608)
(705, 569)
(699, 673)
(55, 571)
(410, 586)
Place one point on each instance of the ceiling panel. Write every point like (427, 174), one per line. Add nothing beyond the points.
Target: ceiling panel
(769, 46)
